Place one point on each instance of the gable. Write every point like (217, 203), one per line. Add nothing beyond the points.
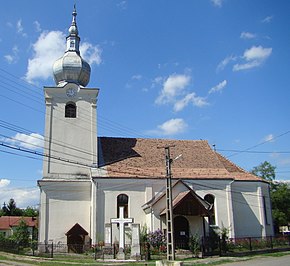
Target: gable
(77, 230)
(184, 201)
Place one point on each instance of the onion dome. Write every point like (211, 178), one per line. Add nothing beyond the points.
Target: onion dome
(71, 67)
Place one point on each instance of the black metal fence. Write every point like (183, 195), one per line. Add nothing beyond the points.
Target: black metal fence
(208, 246)
(236, 246)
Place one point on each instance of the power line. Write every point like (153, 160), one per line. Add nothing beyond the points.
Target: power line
(259, 144)
(257, 152)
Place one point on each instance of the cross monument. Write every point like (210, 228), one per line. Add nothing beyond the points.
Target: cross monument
(121, 221)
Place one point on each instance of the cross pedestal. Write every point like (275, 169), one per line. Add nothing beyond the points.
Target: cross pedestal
(121, 221)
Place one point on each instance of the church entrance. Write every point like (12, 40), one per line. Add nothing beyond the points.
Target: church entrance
(181, 232)
(76, 239)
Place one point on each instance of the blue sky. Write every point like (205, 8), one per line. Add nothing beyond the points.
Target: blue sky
(203, 69)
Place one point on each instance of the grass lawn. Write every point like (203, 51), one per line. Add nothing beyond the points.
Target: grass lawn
(68, 260)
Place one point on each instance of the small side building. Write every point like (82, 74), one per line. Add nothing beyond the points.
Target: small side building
(8, 224)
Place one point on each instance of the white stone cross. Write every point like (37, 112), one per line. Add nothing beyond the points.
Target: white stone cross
(121, 221)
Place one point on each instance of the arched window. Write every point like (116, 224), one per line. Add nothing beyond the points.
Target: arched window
(71, 110)
(122, 201)
(210, 199)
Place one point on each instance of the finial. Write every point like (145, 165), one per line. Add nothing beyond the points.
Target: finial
(74, 13)
(73, 30)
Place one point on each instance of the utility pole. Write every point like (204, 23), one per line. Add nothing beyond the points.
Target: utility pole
(169, 212)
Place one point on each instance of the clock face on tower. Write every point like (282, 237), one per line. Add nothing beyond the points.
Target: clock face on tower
(71, 92)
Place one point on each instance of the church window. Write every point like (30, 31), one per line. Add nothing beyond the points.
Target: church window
(71, 110)
(210, 199)
(122, 201)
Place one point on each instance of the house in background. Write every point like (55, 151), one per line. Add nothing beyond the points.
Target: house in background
(8, 224)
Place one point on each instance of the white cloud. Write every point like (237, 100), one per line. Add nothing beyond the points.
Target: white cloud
(221, 66)
(269, 138)
(33, 141)
(267, 19)
(20, 28)
(37, 26)
(122, 5)
(91, 53)
(4, 182)
(49, 47)
(217, 3)
(23, 196)
(172, 127)
(247, 35)
(173, 86)
(257, 53)
(189, 98)
(219, 87)
(254, 57)
(136, 77)
(12, 58)
(9, 58)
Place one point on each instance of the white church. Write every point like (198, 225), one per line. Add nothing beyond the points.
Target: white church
(86, 179)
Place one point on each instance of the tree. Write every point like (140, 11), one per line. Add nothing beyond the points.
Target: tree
(30, 212)
(265, 170)
(21, 234)
(10, 209)
(280, 196)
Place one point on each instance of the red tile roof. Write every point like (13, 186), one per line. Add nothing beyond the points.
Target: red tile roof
(145, 158)
(6, 222)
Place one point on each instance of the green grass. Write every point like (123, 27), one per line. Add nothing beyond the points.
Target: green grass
(77, 261)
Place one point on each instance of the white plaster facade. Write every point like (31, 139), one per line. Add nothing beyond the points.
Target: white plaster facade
(80, 186)
(92, 203)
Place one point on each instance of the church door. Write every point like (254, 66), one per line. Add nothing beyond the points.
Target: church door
(181, 232)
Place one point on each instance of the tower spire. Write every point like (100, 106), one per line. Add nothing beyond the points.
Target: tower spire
(71, 67)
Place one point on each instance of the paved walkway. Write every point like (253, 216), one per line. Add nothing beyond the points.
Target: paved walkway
(262, 261)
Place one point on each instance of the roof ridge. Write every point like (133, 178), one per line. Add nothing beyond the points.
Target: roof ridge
(155, 139)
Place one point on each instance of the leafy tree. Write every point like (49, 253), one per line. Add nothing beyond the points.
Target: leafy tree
(280, 196)
(30, 212)
(265, 170)
(21, 234)
(10, 209)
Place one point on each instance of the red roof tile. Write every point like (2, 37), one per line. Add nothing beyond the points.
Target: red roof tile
(145, 158)
(6, 222)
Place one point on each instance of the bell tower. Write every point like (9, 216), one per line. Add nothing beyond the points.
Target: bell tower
(70, 122)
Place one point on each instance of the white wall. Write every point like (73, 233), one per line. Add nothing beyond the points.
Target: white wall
(63, 204)
(73, 139)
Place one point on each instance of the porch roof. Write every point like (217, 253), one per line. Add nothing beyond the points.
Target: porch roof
(189, 203)
(77, 229)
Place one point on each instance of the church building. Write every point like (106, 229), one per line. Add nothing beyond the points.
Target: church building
(86, 178)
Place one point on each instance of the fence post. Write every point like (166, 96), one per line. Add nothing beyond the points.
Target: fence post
(271, 242)
(51, 255)
(250, 243)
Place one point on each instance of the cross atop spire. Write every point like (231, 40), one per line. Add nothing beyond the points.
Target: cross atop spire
(73, 30)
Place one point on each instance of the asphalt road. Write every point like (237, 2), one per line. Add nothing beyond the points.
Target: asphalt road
(262, 261)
